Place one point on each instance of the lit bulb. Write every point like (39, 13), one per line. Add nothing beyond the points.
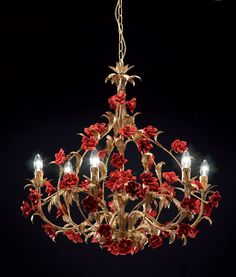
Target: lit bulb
(38, 163)
(94, 158)
(204, 169)
(186, 160)
(68, 167)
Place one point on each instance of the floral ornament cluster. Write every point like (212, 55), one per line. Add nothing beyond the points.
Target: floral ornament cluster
(120, 209)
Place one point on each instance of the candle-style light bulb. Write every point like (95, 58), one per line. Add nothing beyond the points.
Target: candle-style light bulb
(38, 163)
(68, 167)
(204, 169)
(94, 158)
(186, 160)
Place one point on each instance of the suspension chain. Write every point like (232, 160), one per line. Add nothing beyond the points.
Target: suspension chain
(119, 20)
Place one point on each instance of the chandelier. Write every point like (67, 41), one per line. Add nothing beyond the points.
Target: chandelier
(102, 200)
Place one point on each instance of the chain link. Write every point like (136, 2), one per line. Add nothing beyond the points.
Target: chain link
(119, 20)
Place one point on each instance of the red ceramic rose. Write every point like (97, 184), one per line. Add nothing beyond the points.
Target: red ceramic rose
(144, 145)
(94, 130)
(155, 241)
(131, 104)
(112, 247)
(105, 231)
(150, 181)
(179, 146)
(75, 237)
(26, 209)
(196, 184)
(119, 98)
(125, 246)
(49, 188)
(118, 160)
(90, 204)
(150, 131)
(118, 179)
(167, 190)
(170, 177)
(60, 157)
(89, 143)
(213, 202)
(128, 131)
(85, 184)
(142, 193)
(133, 188)
(186, 230)
(69, 180)
(191, 204)
(34, 198)
(215, 198)
(207, 208)
(50, 231)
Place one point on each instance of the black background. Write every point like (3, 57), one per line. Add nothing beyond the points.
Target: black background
(53, 63)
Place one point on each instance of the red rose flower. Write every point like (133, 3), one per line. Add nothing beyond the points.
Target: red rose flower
(142, 193)
(60, 157)
(85, 184)
(49, 188)
(150, 181)
(179, 146)
(89, 143)
(144, 145)
(34, 198)
(75, 237)
(133, 188)
(118, 179)
(89, 204)
(50, 231)
(207, 208)
(155, 241)
(118, 160)
(215, 198)
(131, 104)
(170, 177)
(191, 204)
(113, 248)
(69, 180)
(125, 246)
(168, 190)
(117, 99)
(105, 231)
(186, 230)
(197, 184)
(150, 131)
(94, 130)
(26, 209)
(128, 131)
(102, 153)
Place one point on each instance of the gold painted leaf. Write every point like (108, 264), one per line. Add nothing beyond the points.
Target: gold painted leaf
(172, 237)
(109, 143)
(138, 135)
(119, 143)
(158, 170)
(102, 170)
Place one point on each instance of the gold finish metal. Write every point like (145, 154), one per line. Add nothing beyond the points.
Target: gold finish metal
(204, 181)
